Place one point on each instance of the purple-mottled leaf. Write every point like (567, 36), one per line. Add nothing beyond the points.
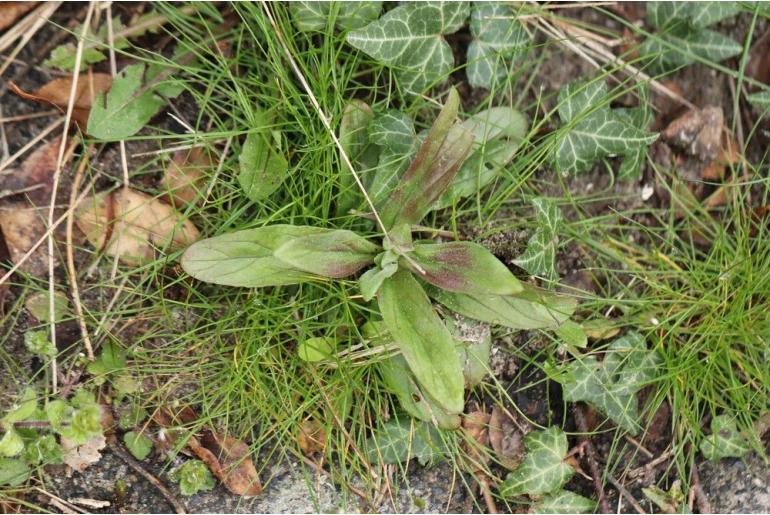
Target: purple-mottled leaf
(462, 267)
(334, 254)
(437, 161)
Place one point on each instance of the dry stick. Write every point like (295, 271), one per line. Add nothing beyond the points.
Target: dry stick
(59, 502)
(9, 193)
(220, 165)
(55, 189)
(114, 73)
(29, 116)
(627, 495)
(117, 448)
(71, 259)
(27, 28)
(593, 465)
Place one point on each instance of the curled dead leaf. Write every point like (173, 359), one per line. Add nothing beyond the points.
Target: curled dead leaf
(80, 457)
(698, 132)
(57, 94)
(476, 427)
(229, 460)
(131, 225)
(185, 175)
(311, 437)
(506, 437)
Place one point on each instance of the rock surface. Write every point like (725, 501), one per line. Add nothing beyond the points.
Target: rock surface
(737, 486)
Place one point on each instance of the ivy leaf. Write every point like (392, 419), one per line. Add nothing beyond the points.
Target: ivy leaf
(564, 502)
(11, 444)
(335, 253)
(725, 441)
(423, 340)
(13, 472)
(540, 257)
(354, 139)
(393, 134)
(262, 167)
(543, 470)
(246, 258)
(593, 133)
(533, 308)
(316, 349)
(434, 167)
(497, 37)
(640, 117)
(455, 267)
(695, 14)
(138, 444)
(124, 112)
(313, 16)
(400, 440)
(410, 38)
(611, 385)
(193, 477)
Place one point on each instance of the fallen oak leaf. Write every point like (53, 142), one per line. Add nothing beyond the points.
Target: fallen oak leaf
(35, 176)
(130, 225)
(57, 94)
(698, 132)
(185, 175)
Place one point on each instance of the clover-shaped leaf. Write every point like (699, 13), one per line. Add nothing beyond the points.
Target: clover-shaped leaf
(410, 38)
(543, 470)
(725, 441)
(497, 37)
(540, 256)
(611, 385)
(592, 132)
(564, 502)
(313, 16)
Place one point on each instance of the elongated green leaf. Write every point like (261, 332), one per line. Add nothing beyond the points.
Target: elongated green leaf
(611, 385)
(725, 441)
(572, 334)
(262, 167)
(335, 254)
(564, 502)
(246, 258)
(531, 309)
(370, 281)
(434, 167)
(497, 37)
(543, 470)
(423, 340)
(123, 113)
(540, 256)
(313, 16)
(354, 138)
(462, 267)
(410, 38)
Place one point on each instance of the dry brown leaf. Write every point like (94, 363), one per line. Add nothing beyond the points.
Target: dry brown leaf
(698, 132)
(34, 178)
(311, 437)
(476, 427)
(12, 11)
(131, 225)
(57, 94)
(506, 438)
(22, 227)
(185, 175)
(230, 462)
(80, 457)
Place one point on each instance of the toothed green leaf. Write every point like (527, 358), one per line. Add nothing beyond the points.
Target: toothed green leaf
(137, 444)
(497, 37)
(725, 441)
(410, 38)
(193, 477)
(25, 408)
(540, 256)
(543, 470)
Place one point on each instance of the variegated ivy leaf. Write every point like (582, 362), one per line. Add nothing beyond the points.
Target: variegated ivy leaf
(640, 117)
(564, 502)
(410, 38)
(313, 16)
(401, 439)
(612, 384)
(592, 132)
(497, 37)
(540, 256)
(543, 470)
(393, 134)
(682, 36)
(761, 99)
(725, 441)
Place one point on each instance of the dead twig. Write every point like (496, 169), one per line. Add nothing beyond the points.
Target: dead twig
(696, 491)
(593, 464)
(627, 495)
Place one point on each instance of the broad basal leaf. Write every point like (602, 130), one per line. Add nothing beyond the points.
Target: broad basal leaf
(393, 134)
(423, 340)
(126, 108)
(13, 472)
(400, 440)
(434, 167)
(612, 384)
(725, 441)
(262, 165)
(246, 258)
(462, 267)
(564, 502)
(354, 138)
(497, 37)
(543, 470)
(313, 16)
(334, 253)
(593, 133)
(532, 308)
(540, 256)
(410, 38)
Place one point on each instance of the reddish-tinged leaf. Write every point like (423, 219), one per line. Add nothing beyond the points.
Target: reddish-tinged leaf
(437, 162)
(57, 94)
(334, 254)
(462, 267)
